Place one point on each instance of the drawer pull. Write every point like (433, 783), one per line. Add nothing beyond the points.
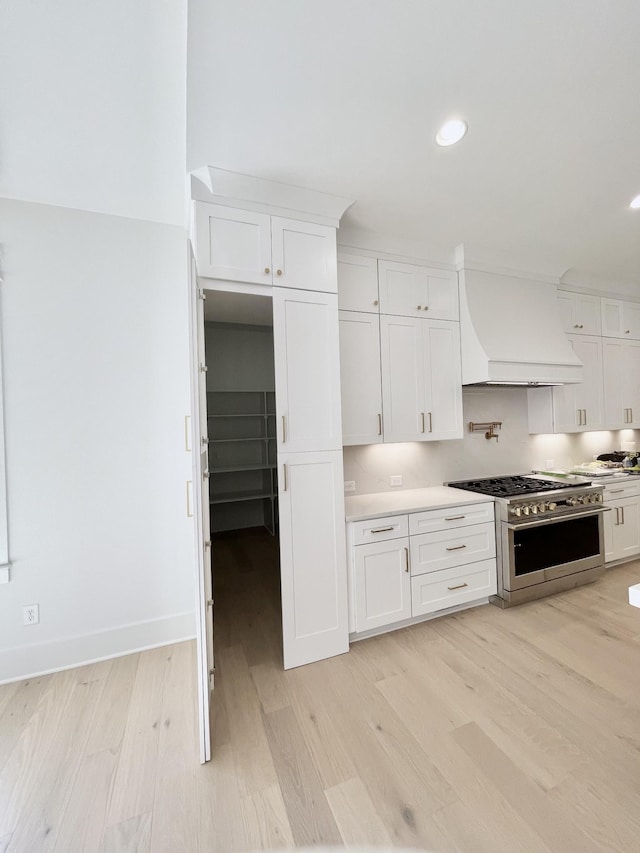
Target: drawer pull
(381, 529)
(456, 547)
(459, 586)
(454, 517)
(406, 559)
(615, 491)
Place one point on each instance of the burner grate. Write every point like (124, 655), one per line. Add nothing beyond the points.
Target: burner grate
(507, 487)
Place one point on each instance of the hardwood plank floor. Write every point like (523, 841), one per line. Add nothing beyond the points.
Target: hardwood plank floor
(486, 731)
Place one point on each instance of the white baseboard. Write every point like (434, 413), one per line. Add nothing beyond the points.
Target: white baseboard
(44, 658)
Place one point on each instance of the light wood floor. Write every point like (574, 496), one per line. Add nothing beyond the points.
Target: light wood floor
(485, 732)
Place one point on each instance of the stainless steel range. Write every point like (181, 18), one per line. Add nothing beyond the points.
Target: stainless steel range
(549, 534)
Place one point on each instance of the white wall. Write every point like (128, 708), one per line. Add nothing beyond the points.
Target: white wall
(516, 452)
(95, 341)
(93, 105)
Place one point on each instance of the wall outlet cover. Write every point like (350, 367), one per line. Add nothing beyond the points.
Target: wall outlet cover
(395, 480)
(30, 614)
(349, 485)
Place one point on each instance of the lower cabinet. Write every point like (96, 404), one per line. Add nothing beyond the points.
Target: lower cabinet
(622, 524)
(395, 576)
(382, 584)
(313, 571)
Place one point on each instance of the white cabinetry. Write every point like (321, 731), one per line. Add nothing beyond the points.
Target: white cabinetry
(579, 313)
(382, 584)
(621, 369)
(312, 557)
(622, 524)
(572, 408)
(360, 378)
(242, 245)
(620, 319)
(357, 283)
(307, 371)
(395, 576)
(421, 379)
(416, 291)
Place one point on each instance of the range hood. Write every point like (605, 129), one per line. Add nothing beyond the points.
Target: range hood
(511, 332)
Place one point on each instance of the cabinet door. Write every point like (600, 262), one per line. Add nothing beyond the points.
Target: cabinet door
(304, 255)
(312, 557)
(613, 358)
(631, 316)
(579, 313)
(403, 411)
(612, 318)
(360, 378)
(443, 379)
(415, 291)
(627, 531)
(589, 394)
(580, 407)
(307, 370)
(357, 283)
(232, 244)
(382, 584)
(631, 385)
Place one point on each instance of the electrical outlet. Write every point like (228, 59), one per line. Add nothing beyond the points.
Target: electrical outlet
(395, 480)
(349, 485)
(30, 614)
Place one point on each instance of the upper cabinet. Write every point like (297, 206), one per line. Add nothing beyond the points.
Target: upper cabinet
(572, 408)
(306, 352)
(620, 319)
(579, 313)
(410, 290)
(357, 283)
(242, 245)
(360, 378)
(421, 379)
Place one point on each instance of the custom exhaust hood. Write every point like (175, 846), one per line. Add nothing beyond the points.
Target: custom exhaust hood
(511, 333)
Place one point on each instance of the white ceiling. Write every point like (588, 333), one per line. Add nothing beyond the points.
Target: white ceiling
(346, 96)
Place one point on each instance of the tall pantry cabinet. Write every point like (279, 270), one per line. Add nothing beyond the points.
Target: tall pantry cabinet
(294, 261)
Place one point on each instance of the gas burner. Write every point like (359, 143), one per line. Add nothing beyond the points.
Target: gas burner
(506, 487)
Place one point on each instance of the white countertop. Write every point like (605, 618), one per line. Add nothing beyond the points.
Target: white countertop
(358, 507)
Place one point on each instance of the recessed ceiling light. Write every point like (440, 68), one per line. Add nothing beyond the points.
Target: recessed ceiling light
(635, 203)
(451, 132)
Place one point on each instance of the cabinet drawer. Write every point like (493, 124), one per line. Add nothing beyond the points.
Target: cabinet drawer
(451, 587)
(616, 491)
(444, 519)
(432, 552)
(378, 529)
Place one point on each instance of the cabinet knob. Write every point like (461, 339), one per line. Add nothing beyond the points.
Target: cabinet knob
(375, 301)
(627, 331)
(278, 272)
(419, 307)
(267, 270)
(426, 308)
(576, 325)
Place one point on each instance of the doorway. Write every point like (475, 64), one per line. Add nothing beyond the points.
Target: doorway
(243, 471)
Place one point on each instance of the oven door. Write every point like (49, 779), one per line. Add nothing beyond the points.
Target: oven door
(549, 548)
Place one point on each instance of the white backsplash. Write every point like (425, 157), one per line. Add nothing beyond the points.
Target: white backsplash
(432, 463)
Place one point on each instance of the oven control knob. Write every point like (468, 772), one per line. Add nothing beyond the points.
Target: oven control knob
(572, 501)
(525, 510)
(597, 498)
(534, 509)
(516, 511)
(551, 506)
(542, 507)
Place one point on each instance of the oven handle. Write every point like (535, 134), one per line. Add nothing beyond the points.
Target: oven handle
(546, 520)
